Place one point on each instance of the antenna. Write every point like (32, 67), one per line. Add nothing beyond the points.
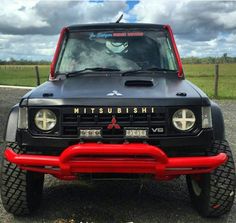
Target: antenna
(118, 20)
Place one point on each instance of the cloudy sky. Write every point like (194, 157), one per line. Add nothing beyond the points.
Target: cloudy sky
(29, 28)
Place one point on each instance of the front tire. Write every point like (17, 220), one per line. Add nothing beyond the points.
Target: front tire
(213, 194)
(21, 190)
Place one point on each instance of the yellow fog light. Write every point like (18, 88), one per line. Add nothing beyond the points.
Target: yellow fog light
(136, 133)
(90, 133)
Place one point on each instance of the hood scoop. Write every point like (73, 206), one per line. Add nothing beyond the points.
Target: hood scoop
(139, 83)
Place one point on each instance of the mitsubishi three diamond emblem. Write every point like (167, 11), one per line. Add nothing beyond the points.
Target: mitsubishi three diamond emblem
(114, 93)
(113, 124)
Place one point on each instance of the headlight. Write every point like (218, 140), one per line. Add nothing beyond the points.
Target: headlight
(183, 119)
(45, 119)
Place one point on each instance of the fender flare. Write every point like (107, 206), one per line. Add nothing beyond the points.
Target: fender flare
(11, 125)
(217, 122)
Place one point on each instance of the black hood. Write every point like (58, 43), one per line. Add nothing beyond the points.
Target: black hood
(117, 91)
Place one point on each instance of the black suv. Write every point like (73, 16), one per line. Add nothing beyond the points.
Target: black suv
(117, 105)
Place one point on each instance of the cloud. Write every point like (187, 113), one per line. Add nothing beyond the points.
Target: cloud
(29, 29)
(193, 20)
(31, 47)
(48, 17)
(202, 28)
(16, 15)
(215, 47)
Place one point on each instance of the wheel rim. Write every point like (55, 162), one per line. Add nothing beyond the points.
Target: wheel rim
(196, 186)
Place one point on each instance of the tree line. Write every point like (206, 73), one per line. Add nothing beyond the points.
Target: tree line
(186, 60)
(13, 61)
(209, 60)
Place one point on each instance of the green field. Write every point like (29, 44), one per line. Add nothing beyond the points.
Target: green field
(203, 76)
(200, 74)
(22, 75)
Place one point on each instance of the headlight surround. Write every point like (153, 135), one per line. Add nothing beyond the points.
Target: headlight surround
(45, 120)
(183, 119)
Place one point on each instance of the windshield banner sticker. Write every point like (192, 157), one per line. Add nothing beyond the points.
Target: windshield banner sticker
(115, 34)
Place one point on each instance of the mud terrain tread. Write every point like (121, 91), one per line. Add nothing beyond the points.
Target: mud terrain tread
(222, 182)
(17, 186)
(218, 187)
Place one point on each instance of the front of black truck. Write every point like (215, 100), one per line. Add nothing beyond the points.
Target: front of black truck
(115, 71)
(117, 102)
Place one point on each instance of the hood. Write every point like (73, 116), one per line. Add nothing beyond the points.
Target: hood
(117, 91)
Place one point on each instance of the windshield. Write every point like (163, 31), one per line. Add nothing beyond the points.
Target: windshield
(122, 50)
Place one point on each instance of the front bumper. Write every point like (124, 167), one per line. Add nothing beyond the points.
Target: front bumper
(115, 158)
(173, 146)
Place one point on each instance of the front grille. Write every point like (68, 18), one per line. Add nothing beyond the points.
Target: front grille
(71, 120)
(71, 123)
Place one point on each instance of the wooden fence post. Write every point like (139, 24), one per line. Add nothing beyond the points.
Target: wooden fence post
(37, 75)
(216, 80)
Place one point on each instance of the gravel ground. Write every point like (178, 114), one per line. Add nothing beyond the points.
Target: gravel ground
(116, 201)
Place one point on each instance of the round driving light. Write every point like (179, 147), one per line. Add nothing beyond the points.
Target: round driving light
(183, 119)
(45, 119)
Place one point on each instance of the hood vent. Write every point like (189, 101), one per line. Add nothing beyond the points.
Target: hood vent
(139, 83)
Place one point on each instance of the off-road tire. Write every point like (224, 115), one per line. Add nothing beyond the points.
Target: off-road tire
(217, 189)
(21, 190)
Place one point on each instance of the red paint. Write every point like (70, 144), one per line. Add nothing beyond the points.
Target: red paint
(115, 158)
(119, 34)
(180, 66)
(135, 34)
(56, 54)
(113, 124)
(122, 34)
(216, 206)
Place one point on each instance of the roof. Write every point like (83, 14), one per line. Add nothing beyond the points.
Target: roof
(114, 25)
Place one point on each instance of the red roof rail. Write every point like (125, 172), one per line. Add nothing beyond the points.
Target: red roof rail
(56, 54)
(180, 66)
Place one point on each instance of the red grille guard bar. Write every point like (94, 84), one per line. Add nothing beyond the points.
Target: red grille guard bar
(115, 158)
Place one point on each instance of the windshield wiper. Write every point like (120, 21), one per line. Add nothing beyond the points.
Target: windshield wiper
(160, 69)
(128, 72)
(132, 72)
(74, 73)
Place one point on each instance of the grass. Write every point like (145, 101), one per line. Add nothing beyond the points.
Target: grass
(203, 76)
(200, 74)
(22, 75)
